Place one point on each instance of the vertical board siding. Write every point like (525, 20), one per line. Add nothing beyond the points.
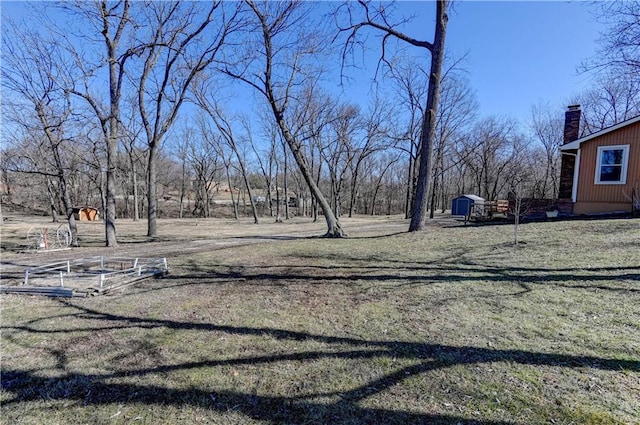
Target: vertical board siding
(588, 191)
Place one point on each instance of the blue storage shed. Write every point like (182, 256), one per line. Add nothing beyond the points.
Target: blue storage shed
(465, 204)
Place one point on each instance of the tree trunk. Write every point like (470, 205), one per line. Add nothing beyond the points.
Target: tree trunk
(182, 189)
(52, 200)
(207, 201)
(443, 197)
(114, 117)
(287, 216)
(409, 189)
(66, 200)
(314, 203)
(428, 131)
(354, 191)
(434, 188)
(152, 199)
(110, 213)
(136, 209)
(278, 218)
(245, 178)
(231, 191)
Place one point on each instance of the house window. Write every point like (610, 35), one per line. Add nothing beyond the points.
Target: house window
(611, 164)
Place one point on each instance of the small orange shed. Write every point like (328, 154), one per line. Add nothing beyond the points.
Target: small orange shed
(85, 213)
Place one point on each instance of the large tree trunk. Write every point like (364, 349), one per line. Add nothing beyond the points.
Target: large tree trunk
(152, 199)
(110, 213)
(115, 78)
(428, 131)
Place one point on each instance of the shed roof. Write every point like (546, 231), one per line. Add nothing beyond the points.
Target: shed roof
(576, 143)
(472, 197)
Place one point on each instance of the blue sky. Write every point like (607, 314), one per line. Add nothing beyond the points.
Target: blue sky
(519, 53)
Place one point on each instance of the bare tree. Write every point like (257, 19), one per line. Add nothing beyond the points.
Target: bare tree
(274, 68)
(620, 42)
(411, 85)
(174, 56)
(378, 168)
(247, 146)
(456, 113)
(28, 169)
(376, 136)
(376, 17)
(338, 151)
(516, 208)
(115, 25)
(313, 115)
(204, 156)
(547, 126)
(228, 135)
(186, 143)
(267, 159)
(30, 70)
(615, 96)
(130, 141)
(612, 99)
(491, 154)
(633, 197)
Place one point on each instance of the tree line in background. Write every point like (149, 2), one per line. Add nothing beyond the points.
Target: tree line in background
(129, 113)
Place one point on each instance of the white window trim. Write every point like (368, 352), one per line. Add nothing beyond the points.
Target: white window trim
(576, 178)
(625, 163)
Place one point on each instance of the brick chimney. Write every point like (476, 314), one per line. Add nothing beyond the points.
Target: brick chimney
(571, 123)
(568, 163)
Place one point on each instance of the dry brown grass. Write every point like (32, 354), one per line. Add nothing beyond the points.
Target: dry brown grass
(263, 324)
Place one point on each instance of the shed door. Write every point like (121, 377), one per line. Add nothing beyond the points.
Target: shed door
(461, 206)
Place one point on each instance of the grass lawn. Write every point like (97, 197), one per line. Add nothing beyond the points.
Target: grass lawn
(451, 325)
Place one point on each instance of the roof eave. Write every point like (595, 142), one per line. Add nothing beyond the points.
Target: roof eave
(571, 146)
(575, 145)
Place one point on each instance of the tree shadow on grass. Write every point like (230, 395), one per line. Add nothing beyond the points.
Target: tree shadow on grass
(402, 274)
(452, 268)
(88, 391)
(396, 275)
(339, 407)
